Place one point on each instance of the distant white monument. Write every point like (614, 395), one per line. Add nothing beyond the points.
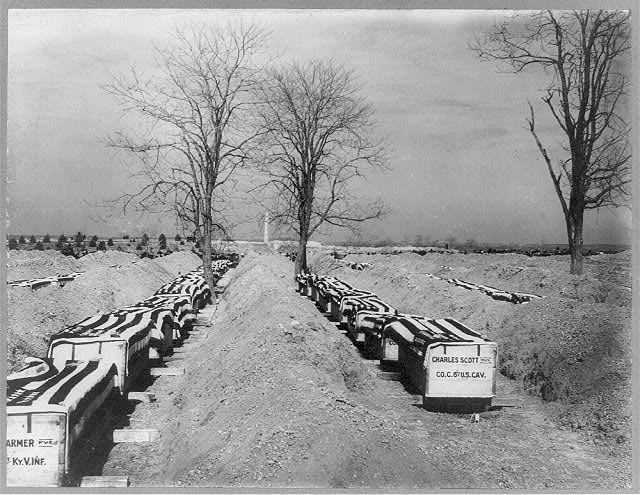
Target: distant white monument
(266, 227)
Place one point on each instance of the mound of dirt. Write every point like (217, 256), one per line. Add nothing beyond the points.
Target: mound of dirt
(34, 315)
(39, 264)
(275, 396)
(572, 347)
(106, 259)
(179, 262)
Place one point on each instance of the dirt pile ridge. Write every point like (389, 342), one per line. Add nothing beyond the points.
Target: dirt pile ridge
(34, 315)
(105, 259)
(275, 396)
(39, 264)
(178, 263)
(572, 348)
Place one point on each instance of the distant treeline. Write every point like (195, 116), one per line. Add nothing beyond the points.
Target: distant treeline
(476, 247)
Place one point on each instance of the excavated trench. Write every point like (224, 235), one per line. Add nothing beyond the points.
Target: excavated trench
(275, 395)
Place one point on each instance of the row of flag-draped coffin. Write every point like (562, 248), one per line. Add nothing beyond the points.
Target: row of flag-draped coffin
(442, 358)
(50, 400)
(36, 283)
(499, 294)
(61, 280)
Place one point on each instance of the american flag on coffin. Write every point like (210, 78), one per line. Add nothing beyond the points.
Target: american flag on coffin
(501, 295)
(202, 290)
(445, 359)
(333, 296)
(196, 277)
(365, 320)
(179, 305)
(162, 317)
(514, 297)
(221, 265)
(301, 279)
(318, 285)
(336, 294)
(197, 289)
(35, 283)
(122, 339)
(368, 325)
(63, 279)
(351, 304)
(312, 285)
(191, 280)
(199, 272)
(324, 285)
(355, 265)
(462, 283)
(47, 410)
(416, 332)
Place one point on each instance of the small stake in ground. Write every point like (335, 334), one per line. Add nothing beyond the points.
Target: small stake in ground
(135, 436)
(389, 375)
(169, 371)
(104, 481)
(142, 396)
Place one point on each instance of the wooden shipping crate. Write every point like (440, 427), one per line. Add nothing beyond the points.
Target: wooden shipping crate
(372, 346)
(47, 409)
(119, 339)
(445, 359)
(163, 318)
(388, 350)
(372, 323)
(309, 286)
(351, 303)
(193, 286)
(410, 361)
(180, 305)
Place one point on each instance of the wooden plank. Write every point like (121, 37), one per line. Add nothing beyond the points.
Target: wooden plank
(389, 375)
(169, 371)
(173, 357)
(104, 481)
(135, 435)
(505, 402)
(142, 396)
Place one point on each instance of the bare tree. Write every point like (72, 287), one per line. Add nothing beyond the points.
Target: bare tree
(586, 52)
(318, 141)
(196, 131)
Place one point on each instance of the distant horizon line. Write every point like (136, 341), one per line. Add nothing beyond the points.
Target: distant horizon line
(363, 243)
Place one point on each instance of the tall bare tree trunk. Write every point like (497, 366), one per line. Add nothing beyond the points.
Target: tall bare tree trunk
(301, 256)
(576, 210)
(574, 234)
(206, 256)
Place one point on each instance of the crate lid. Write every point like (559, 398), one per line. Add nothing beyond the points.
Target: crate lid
(131, 326)
(42, 387)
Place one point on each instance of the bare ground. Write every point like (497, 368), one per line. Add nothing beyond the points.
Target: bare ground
(110, 281)
(275, 395)
(573, 348)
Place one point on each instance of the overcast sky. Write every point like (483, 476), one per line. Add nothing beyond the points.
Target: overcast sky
(463, 163)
